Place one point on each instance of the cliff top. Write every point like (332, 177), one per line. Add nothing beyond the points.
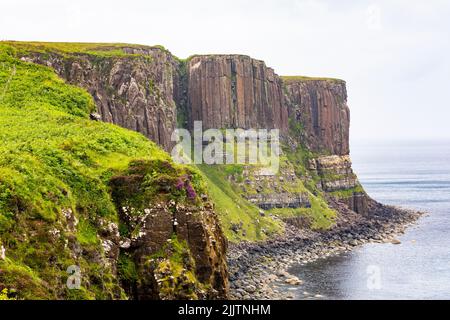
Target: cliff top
(101, 49)
(221, 55)
(120, 49)
(304, 78)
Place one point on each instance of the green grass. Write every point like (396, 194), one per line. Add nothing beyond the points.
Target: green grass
(344, 194)
(304, 78)
(233, 209)
(52, 157)
(176, 270)
(320, 215)
(97, 49)
(87, 234)
(126, 268)
(23, 281)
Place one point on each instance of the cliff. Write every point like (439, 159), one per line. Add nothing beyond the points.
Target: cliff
(133, 88)
(320, 119)
(89, 210)
(320, 106)
(235, 91)
(118, 206)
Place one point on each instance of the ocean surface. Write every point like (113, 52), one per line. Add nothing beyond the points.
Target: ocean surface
(409, 174)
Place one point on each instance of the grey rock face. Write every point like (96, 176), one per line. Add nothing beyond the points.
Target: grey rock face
(134, 91)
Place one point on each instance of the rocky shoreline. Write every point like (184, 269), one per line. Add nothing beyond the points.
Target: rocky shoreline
(258, 269)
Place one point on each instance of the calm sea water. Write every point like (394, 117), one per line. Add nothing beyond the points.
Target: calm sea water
(414, 175)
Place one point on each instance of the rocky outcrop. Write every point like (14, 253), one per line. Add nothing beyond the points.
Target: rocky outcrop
(320, 120)
(280, 200)
(177, 246)
(235, 91)
(338, 179)
(320, 108)
(134, 90)
(358, 202)
(335, 172)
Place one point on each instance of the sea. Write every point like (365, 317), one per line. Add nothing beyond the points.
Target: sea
(411, 174)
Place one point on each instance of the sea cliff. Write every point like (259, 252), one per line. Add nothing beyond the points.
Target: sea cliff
(113, 202)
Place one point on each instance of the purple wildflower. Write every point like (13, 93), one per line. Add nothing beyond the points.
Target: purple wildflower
(190, 191)
(180, 184)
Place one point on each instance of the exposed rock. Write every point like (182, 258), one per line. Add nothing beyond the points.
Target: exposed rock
(293, 281)
(152, 230)
(2, 253)
(95, 116)
(132, 91)
(337, 176)
(336, 172)
(235, 91)
(280, 200)
(320, 106)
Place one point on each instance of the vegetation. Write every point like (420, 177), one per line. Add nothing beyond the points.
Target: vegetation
(54, 160)
(4, 295)
(174, 269)
(304, 78)
(239, 218)
(320, 216)
(344, 194)
(68, 48)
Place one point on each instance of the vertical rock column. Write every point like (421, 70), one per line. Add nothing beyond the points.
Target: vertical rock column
(235, 91)
(320, 106)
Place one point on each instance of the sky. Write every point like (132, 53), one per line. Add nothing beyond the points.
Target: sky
(394, 54)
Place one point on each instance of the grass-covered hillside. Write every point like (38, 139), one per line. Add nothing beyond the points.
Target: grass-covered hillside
(70, 48)
(55, 168)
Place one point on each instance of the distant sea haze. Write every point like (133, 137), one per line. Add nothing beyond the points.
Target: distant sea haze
(409, 174)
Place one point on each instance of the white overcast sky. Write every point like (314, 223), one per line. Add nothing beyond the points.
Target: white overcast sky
(394, 54)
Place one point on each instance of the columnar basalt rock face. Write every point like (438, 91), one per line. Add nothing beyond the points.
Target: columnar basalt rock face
(320, 106)
(235, 91)
(134, 90)
(320, 118)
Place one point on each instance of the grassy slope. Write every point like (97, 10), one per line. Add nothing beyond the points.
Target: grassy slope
(98, 49)
(233, 209)
(305, 78)
(53, 158)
